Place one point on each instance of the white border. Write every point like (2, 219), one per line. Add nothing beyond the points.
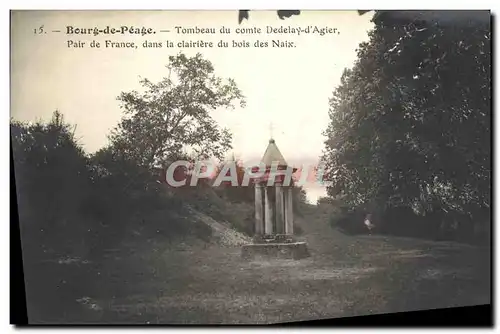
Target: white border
(250, 4)
(185, 4)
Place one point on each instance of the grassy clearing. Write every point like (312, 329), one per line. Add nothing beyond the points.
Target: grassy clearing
(191, 282)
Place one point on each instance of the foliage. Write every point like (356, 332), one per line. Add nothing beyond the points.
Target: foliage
(173, 115)
(325, 200)
(410, 122)
(238, 192)
(282, 14)
(70, 203)
(45, 154)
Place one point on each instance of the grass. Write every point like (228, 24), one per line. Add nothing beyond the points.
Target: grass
(190, 282)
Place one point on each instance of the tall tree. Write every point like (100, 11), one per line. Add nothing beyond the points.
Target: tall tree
(174, 114)
(410, 122)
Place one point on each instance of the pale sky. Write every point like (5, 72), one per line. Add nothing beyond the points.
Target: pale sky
(289, 87)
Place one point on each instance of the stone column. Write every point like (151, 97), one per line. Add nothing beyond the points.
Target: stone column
(268, 216)
(280, 210)
(259, 212)
(289, 211)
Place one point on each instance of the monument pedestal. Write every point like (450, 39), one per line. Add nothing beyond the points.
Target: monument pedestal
(275, 250)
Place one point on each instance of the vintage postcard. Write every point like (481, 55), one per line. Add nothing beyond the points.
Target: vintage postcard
(251, 167)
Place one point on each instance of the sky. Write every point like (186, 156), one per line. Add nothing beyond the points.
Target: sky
(286, 87)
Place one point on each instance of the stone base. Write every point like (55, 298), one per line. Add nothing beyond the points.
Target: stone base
(293, 250)
(275, 238)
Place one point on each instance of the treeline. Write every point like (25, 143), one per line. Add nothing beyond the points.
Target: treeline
(73, 204)
(409, 138)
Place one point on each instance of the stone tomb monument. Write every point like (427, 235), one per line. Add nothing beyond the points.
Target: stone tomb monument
(274, 213)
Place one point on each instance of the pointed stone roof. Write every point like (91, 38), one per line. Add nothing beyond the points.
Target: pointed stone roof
(273, 154)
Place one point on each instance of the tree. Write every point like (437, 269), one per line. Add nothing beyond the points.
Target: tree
(410, 122)
(300, 195)
(51, 172)
(238, 192)
(173, 115)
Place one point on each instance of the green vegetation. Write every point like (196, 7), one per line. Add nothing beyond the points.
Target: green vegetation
(409, 138)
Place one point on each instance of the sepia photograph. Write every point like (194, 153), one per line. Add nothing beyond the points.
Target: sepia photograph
(243, 167)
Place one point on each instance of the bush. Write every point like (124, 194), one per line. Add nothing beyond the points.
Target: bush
(72, 204)
(348, 222)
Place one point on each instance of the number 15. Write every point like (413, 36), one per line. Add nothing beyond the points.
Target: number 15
(39, 30)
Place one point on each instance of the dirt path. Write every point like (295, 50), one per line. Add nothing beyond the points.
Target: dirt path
(344, 276)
